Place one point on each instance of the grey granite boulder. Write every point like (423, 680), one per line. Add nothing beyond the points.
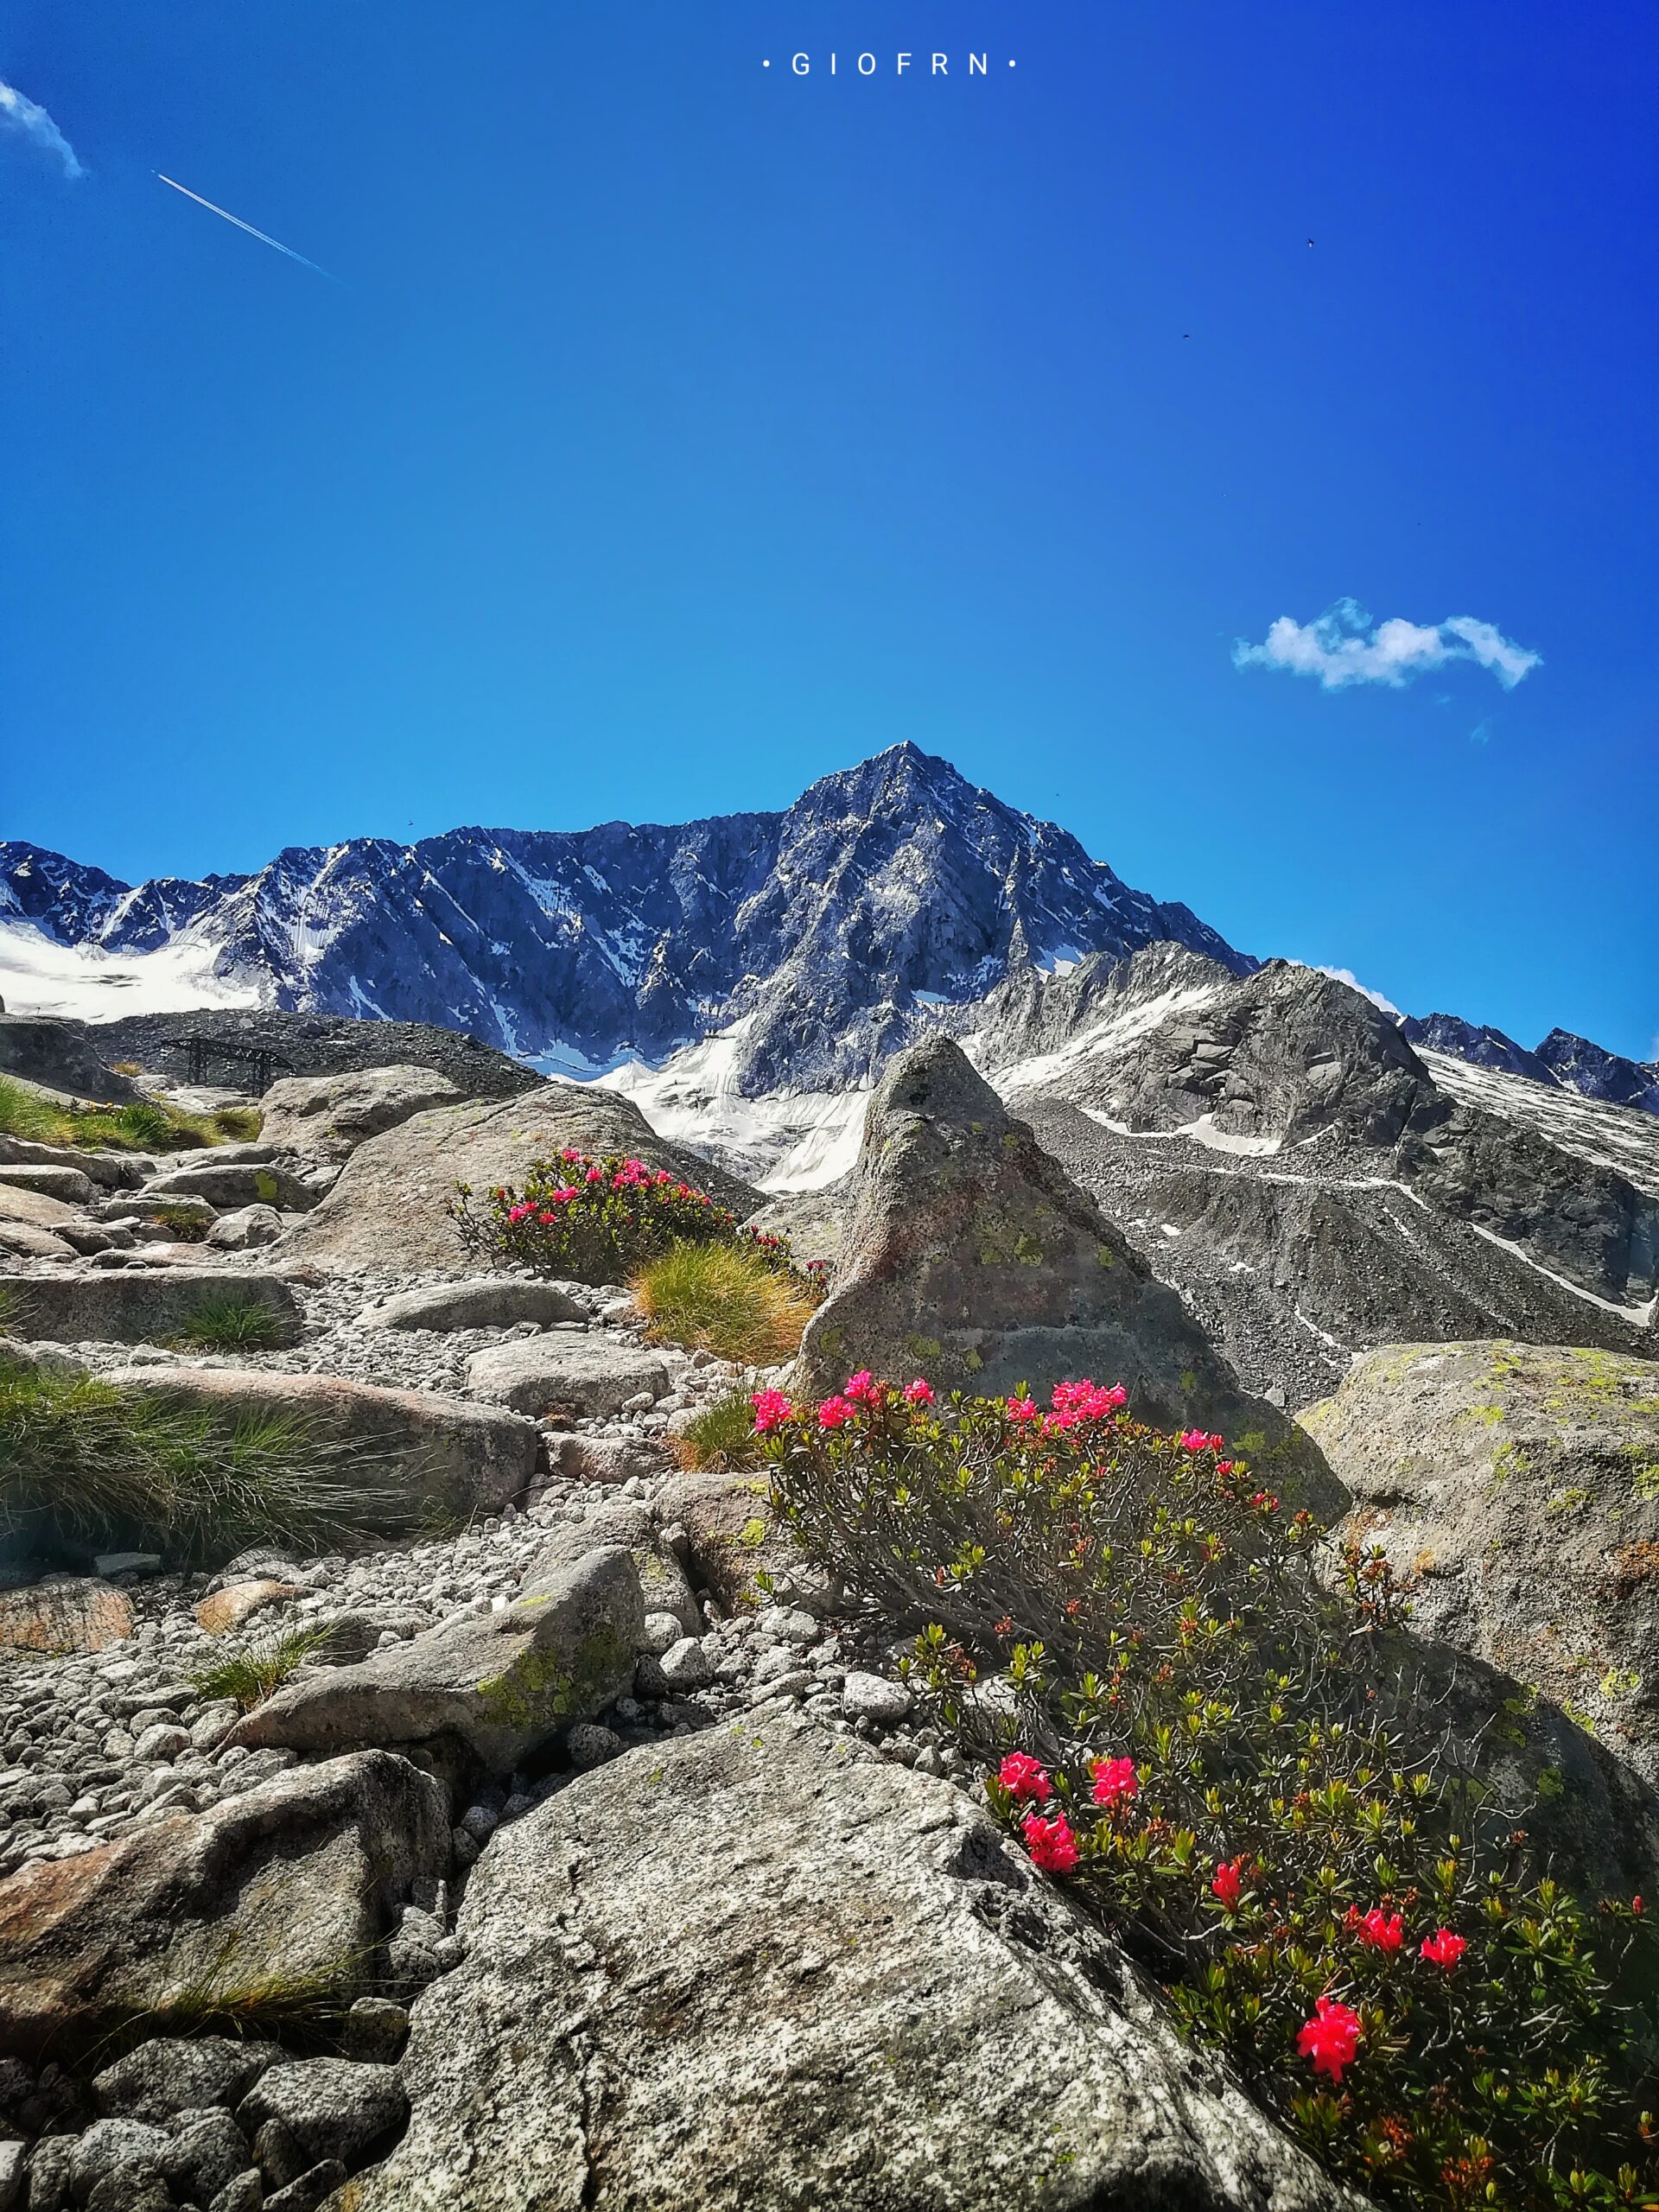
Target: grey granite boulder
(329, 1116)
(296, 1876)
(390, 1206)
(226, 1184)
(70, 1184)
(1515, 1488)
(416, 1452)
(493, 1302)
(585, 1373)
(170, 2074)
(131, 1306)
(763, 1969)
(499, 1683)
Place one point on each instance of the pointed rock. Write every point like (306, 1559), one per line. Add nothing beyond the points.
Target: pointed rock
(972, 1259)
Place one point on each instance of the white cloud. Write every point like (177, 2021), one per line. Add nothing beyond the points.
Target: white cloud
(18, 112)
(1337, 649)
(1347, 975)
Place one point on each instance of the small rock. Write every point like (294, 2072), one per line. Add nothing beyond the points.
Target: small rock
(126, 2149)
(375, 2028)
(206, 2154)
(873, 1697)
(228, 1609)
(330, 2106)
(662, 1632)
(590, 1746)
(163, 1741)
(685, 1665)
(246, 2193)
(110, 1563)
(245, 1229)
(174, 2074)
(309, 2191)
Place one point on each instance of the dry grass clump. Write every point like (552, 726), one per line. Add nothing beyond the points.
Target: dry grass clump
(725, 1298)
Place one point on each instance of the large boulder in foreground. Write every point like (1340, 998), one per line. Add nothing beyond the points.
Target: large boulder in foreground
(329, 1116)
(972, 1258)
(763, 1968)
(499, 1684)
(299, 1877)
(390, 1208)
(136, 1305)
(405, 1455)
(1515, 1488)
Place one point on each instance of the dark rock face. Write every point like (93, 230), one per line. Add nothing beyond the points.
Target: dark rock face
(1289, 1056)
(61, 1055)
(972, 1257)
(823, 924)
(1599, 1074)
(1479, 1044)
(307, 1044)
(767, 1969)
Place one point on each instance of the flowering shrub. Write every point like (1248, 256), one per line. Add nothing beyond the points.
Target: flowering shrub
(599, 1220)
(1236, 1766)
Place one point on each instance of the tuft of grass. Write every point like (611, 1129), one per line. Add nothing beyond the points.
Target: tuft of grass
(225, 1322)
(187, 1227)
(305, 2010)
(720, 1440)
(250, 1676)
(85, 1465)
(141, 1125)
(723, 1298)
(242, 1124)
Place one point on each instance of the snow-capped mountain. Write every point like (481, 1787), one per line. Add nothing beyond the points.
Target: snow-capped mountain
(818, 938)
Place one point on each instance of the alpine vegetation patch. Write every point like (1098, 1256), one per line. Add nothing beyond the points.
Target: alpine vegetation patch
(1232, 1759)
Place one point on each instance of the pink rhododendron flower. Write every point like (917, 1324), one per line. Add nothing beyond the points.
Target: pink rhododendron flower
(863, 1389)
(1443, 1948)
(834, 1412)
(1085, 1401)
(1022, 1409)
(595, 1175)
(1194, 1439)
(1024, 1779)
(569, 1152)
(1228, 1883)
(1053, 1846)
(918, 1393)
(1115, 1782)
(772, 1410)
(1331, 2038)
(1376, 1929)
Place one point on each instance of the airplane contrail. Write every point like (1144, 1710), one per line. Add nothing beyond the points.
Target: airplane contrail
(262, 235)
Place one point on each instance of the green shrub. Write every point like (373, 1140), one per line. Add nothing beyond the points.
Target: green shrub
(87, 1466)
(1237, 1768)
(726, 1298)
(720, 1440)
(600, 1221)
(250, 1676)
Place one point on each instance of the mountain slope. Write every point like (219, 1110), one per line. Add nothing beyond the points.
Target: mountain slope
(827, 931)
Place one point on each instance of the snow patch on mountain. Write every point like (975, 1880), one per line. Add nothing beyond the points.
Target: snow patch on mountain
(38, 975)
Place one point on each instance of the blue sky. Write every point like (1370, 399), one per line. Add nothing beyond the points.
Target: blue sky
(679, 429)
